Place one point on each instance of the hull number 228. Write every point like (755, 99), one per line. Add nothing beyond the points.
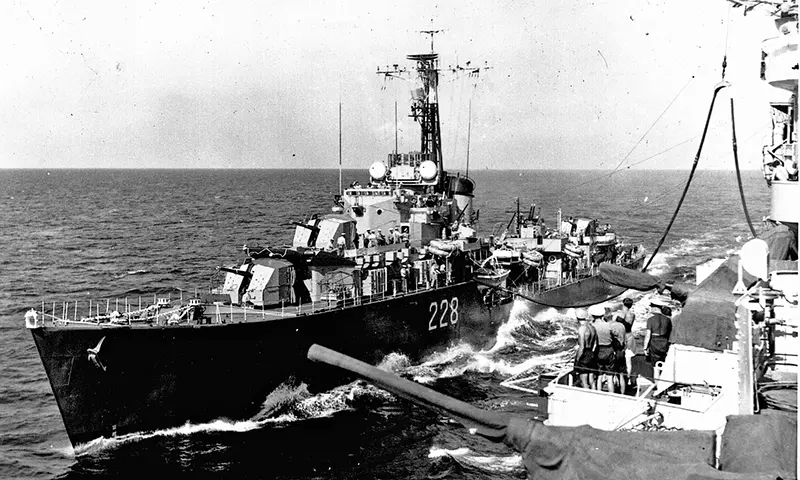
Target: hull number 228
(443, 313)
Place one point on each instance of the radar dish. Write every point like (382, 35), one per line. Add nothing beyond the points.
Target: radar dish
(428, 170)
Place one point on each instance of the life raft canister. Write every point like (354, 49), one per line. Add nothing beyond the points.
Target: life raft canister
(443, 245)
(438, 251)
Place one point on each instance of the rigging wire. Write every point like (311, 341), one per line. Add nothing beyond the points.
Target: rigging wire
(606, 175)
(640, 138)
(739, 174)
(669, 191)
(717, 89)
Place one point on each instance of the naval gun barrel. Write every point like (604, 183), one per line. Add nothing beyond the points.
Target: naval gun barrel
(243, 273)
(489, 424)
(552, 453)
(304, 225)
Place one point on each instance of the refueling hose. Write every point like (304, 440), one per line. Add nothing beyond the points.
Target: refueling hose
(717, 88)
(739, 174)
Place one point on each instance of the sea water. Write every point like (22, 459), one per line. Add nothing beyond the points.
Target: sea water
(104, 234)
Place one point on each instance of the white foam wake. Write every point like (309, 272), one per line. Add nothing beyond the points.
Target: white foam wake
(187, 429)
(524, 325)
(494, 463)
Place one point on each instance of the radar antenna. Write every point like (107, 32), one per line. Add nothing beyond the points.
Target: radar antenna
(425, 103)
(431, 33)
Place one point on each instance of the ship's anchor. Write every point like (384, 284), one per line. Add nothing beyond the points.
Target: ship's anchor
(94, 352)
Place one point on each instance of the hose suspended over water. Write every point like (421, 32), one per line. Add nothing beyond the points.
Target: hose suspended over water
(719, 87)
(739, 174)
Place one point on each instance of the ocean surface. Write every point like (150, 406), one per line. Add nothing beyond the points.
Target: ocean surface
(107, 234)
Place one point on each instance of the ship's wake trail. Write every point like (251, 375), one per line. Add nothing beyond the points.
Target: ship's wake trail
(188, 429)
(285, 404)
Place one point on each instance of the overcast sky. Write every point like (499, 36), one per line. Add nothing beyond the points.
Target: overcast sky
(236, 84)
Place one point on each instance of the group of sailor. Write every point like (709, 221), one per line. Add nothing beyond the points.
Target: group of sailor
(373, 238)
(592, 228)
(611, 354)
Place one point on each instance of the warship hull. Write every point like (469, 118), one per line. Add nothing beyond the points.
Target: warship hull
(111, 380)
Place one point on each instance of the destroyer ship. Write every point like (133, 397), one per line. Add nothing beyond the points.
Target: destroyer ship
(362, 278)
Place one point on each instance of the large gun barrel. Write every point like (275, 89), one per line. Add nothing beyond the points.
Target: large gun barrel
(488, 424)
(243, 273)
(560, 452)
(313, 228)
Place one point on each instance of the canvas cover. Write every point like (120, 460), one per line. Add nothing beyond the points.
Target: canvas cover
(707, 318)
(561, 453)
(761, 443)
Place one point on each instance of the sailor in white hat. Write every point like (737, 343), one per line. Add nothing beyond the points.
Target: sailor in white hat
(606, 356)
(340, 244)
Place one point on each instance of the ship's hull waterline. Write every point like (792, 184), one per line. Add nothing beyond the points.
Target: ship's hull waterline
(146, 378)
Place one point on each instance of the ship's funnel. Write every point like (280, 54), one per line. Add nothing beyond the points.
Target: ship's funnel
(462, 188)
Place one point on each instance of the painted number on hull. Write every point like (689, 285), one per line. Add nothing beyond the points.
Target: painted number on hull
(443, 313)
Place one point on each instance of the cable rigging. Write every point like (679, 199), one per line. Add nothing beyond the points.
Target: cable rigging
(722, 84)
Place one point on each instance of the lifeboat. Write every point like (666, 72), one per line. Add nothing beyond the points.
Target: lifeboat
(532, 258)
(438, 251)
(573, 250)
(507, 257)
(492, 277)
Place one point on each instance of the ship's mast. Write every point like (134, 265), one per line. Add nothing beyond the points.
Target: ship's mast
(425, 103)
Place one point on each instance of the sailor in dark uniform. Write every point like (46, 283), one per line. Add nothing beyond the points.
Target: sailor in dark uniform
(656, 339)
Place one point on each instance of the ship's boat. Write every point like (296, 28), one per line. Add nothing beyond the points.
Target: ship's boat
(393, 268)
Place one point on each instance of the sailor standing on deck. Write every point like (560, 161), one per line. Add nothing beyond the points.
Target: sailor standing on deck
(618, 341)
(625, 314)
(340, 244)
(605, 352)
(586, 358)
(656, 338)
